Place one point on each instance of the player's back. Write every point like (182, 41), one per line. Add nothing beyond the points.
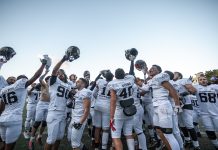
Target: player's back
(102, 102)
(14, 98)
(124, 91)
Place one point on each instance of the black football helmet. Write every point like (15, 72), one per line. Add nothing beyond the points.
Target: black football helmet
(131, 54)
(140, 64)
(72, 53)
(7, 52)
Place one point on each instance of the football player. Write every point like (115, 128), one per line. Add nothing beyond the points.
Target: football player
(176, 131)
(121, 91)
(138, 118)
(163, 111)
(10, 80)
(208, 103)
(122, 108)
(32, 100)
(80, 112)
(6, 53)
(58, 90)
(41, 111)
(102, 110)
(148, 110)
(196, 114)
(184, 87)
(11, 105)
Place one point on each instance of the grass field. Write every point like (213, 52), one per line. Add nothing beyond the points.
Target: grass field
(22, 144)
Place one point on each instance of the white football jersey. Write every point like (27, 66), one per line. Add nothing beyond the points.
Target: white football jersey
(3, 82)
(147, 98)
(124, 91)
(136, 96)
(34, 97)
(159, 93)
(173, 83)
(58, 95)
(208, 99)
(14, 98)
(181, 89)
(77, 108)
(195, 104)
(102, 102)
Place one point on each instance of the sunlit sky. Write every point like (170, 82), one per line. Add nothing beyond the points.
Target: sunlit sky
(178, 35)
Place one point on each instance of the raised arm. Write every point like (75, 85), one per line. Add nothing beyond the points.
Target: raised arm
(36, 75)
(58, 65)
(94, 84)
(131, 70)
(42, 77)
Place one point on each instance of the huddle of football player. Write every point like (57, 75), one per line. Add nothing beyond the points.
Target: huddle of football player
(165, 104)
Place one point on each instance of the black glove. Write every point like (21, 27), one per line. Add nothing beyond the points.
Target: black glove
(69, 104)
(77, 125)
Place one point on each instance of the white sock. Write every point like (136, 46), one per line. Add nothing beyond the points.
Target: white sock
(130, 144)
(172, 141)
(215, 143)
(179, 140)
(195, 143)
(105, 136)
(142, 141)
(151, 132)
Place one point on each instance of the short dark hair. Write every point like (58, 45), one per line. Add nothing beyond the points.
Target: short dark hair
(109, 76)
(158, 68)
(170, 74)
(85, 82)
(21, 76)
(119, 73)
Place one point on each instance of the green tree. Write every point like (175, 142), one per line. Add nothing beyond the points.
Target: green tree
(211, 73)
